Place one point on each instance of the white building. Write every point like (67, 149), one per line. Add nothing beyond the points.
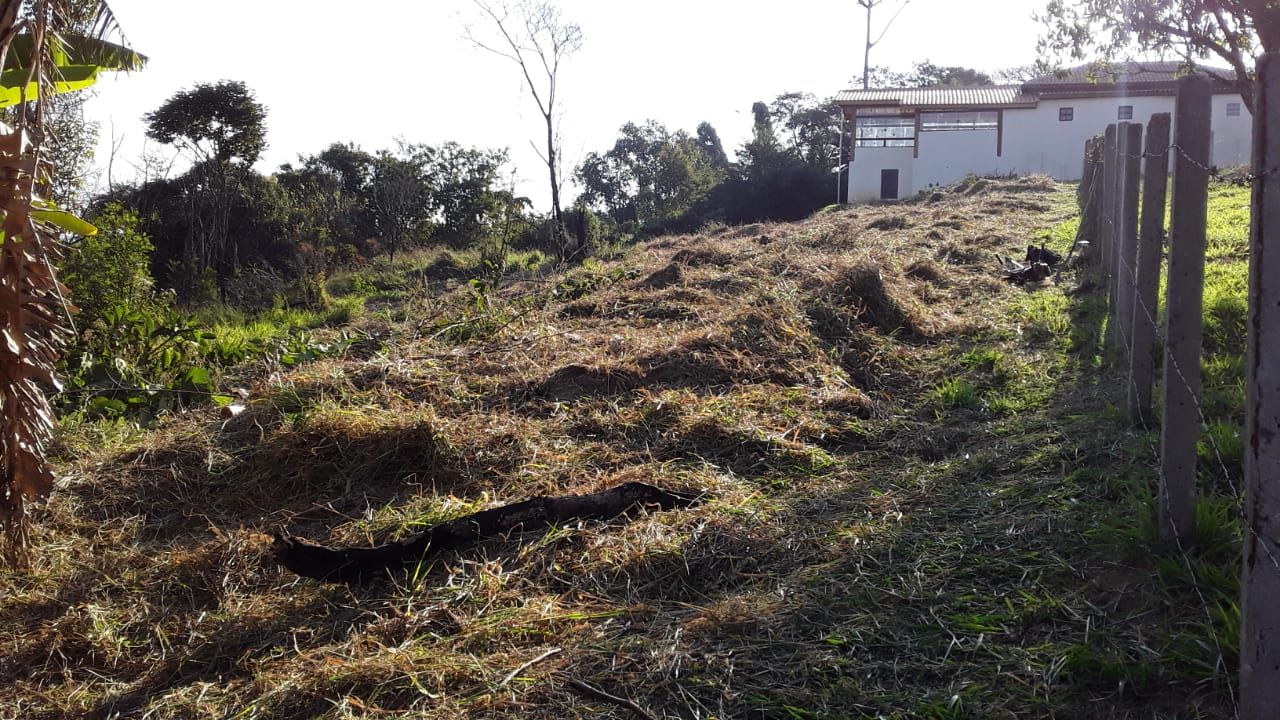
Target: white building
(908, 140)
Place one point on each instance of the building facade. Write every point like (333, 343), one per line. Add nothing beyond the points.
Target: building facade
(904, 141)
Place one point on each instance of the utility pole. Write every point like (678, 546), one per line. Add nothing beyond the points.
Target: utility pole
(866, 57)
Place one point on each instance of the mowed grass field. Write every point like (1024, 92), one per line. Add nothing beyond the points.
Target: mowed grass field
(920, 498)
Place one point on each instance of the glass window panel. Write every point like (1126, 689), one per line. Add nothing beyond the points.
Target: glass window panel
(962, 120)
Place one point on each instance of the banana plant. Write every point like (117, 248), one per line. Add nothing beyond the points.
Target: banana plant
(41, 54)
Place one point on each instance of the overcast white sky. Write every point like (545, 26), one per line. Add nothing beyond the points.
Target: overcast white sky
(370, 71)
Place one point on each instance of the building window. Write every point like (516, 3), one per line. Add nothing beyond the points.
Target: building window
(975, 120)
(884, 132)
(1126, 112)
(1233, 109)
(1066, 114)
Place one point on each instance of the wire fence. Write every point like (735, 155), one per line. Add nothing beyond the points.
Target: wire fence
(1128, 266)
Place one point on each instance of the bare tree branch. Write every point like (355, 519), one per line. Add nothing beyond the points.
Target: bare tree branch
(541, 37)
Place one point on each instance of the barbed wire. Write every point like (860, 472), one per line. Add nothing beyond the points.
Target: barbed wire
(1194, 394)
(1131, 271)
(1214, 171)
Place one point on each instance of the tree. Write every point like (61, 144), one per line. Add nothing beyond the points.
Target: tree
(536, 38)
(763, 150)
(69, 149)
(350, 164)
(464, 195)
(813, 127)
(37, 40)
(401, 199)
(866, 57)
(1019, 74)
(650, 174)
(1228, 30)
(222, 127)
(353, 170)
(709, 141)
(926, 74)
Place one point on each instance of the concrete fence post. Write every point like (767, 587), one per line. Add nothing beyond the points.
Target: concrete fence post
(1184, 294)
(1260, 579)
(1127, 247)
(1114, 220)
(1106, 215)
(1155, 183)
(1086, 197)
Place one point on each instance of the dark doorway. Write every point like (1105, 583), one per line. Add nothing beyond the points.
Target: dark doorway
(889, 184)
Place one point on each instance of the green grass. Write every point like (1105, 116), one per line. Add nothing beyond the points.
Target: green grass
(956, 393)
(1199, 640)
(1228, 222)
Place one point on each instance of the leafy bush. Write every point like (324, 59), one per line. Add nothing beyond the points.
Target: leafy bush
(111, 268)
(140, 358)
(592, 277)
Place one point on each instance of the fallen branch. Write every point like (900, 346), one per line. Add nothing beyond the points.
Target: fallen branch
(356, 564)
(598, 694)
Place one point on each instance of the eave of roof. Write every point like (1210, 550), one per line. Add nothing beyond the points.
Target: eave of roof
(938, 97)
(1133, 79)
(1125, 79)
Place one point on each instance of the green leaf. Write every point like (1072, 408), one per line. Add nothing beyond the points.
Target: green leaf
(78, 60)
(222, 400)
(107, 406)
(51, 213)
(197, 379)
(13, 82)
(69, 50)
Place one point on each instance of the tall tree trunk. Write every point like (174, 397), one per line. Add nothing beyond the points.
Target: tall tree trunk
(557, 218)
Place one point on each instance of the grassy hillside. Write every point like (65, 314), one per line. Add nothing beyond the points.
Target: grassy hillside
(922, 500)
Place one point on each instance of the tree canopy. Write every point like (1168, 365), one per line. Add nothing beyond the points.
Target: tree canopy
(1230, 31)
(926, 73)
(651, 173)
(222, 122)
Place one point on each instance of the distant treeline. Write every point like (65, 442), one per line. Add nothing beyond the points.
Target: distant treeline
(344, 205)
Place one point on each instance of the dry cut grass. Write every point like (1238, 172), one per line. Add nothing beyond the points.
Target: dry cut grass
(890, 531)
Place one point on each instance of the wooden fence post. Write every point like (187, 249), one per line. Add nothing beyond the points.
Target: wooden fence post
(1184, 294)
(1127, 248)
(1106, 216)
(1260, 579)
(1150, 247)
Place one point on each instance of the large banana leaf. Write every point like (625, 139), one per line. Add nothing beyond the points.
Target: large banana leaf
(71, 50)
(49, 212)
(78, 61)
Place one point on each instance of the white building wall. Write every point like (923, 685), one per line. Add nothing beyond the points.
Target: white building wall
(1232, 136)
(1034, 141)
(864, 176)
(949, 155)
